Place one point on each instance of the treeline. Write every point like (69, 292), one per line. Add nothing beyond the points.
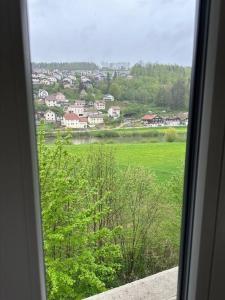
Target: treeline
(73, 66)
(103, 226)
(165, 86)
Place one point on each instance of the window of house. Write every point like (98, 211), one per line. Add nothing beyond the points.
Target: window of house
(111, 193)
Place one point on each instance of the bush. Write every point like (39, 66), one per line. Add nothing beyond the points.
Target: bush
(105, 134)
(170, 135)
(150, 133)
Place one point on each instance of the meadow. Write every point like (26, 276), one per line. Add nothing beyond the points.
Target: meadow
(162, 159)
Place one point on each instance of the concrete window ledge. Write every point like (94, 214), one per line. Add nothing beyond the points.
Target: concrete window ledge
(160, 286)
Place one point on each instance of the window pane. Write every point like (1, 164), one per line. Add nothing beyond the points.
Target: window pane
(111, 83)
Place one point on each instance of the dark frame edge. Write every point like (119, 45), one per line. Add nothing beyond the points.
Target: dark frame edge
(193, 142)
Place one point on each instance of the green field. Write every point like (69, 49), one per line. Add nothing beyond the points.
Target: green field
(163, 159)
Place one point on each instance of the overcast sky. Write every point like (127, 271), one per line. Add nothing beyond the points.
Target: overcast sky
(112, 30)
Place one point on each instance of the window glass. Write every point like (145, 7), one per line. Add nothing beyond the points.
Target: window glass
(111, 84)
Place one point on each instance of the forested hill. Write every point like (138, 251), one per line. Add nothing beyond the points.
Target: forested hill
(72, 66)
(165, 86)
(156, 85)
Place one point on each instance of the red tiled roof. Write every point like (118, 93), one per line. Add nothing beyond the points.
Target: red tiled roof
(71, 117)
(148, 117)
(83, 119)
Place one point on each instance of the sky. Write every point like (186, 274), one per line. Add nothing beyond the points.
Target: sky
(156, 31)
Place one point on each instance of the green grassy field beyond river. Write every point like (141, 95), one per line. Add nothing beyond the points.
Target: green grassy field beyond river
(162, 159)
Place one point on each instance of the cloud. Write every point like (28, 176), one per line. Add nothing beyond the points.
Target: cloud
(113, 30)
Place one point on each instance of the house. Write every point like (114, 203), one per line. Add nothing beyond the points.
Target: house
(55, 99)
(114, 112)
(60, 97)
(99, 105)
(45, 81)
(71, 120)
(185, 122)
(76, 109)
(90, 103)
(42, 94)
(184, 118)
(52, 80)
(152, 120)
(51, 101)
(80, 103)
(67, 80)
(172, 121)
(85, 79)
(108, 97)
(72, 77)
(83, 122)
(35, 81)
(50, 116)
(95, 119)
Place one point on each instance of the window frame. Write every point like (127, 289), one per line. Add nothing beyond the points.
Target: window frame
(201, 264)
(22, 273)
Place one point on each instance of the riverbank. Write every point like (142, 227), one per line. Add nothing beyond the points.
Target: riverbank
(118, 135)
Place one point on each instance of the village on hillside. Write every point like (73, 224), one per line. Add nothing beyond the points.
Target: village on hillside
(83, 113)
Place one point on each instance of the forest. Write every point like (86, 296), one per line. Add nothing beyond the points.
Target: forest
(165, 86)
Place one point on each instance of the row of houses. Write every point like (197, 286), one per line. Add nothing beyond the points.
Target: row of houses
(69, 78)
(46, 77)
(58, 99)
(154, 120)
(72, 120)
(80, 114)
(76, 117)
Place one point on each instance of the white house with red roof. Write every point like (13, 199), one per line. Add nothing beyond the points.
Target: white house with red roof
(153, 120)
(71, 120)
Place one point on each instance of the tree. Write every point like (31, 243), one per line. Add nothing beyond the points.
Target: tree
(80, 259)
(108, 80)
(177, 100)
(139, 212)
(58, 111)
(103, 225)
(40, 107)
(115, 90)
(163, 96)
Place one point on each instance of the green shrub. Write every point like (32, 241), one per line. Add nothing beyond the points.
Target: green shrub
(170, 135)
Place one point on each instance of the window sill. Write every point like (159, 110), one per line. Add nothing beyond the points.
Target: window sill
(160, 286)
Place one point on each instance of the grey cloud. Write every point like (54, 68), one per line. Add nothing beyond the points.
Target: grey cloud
(115, 30)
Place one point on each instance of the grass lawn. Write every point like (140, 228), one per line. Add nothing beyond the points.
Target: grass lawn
(163, 159)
